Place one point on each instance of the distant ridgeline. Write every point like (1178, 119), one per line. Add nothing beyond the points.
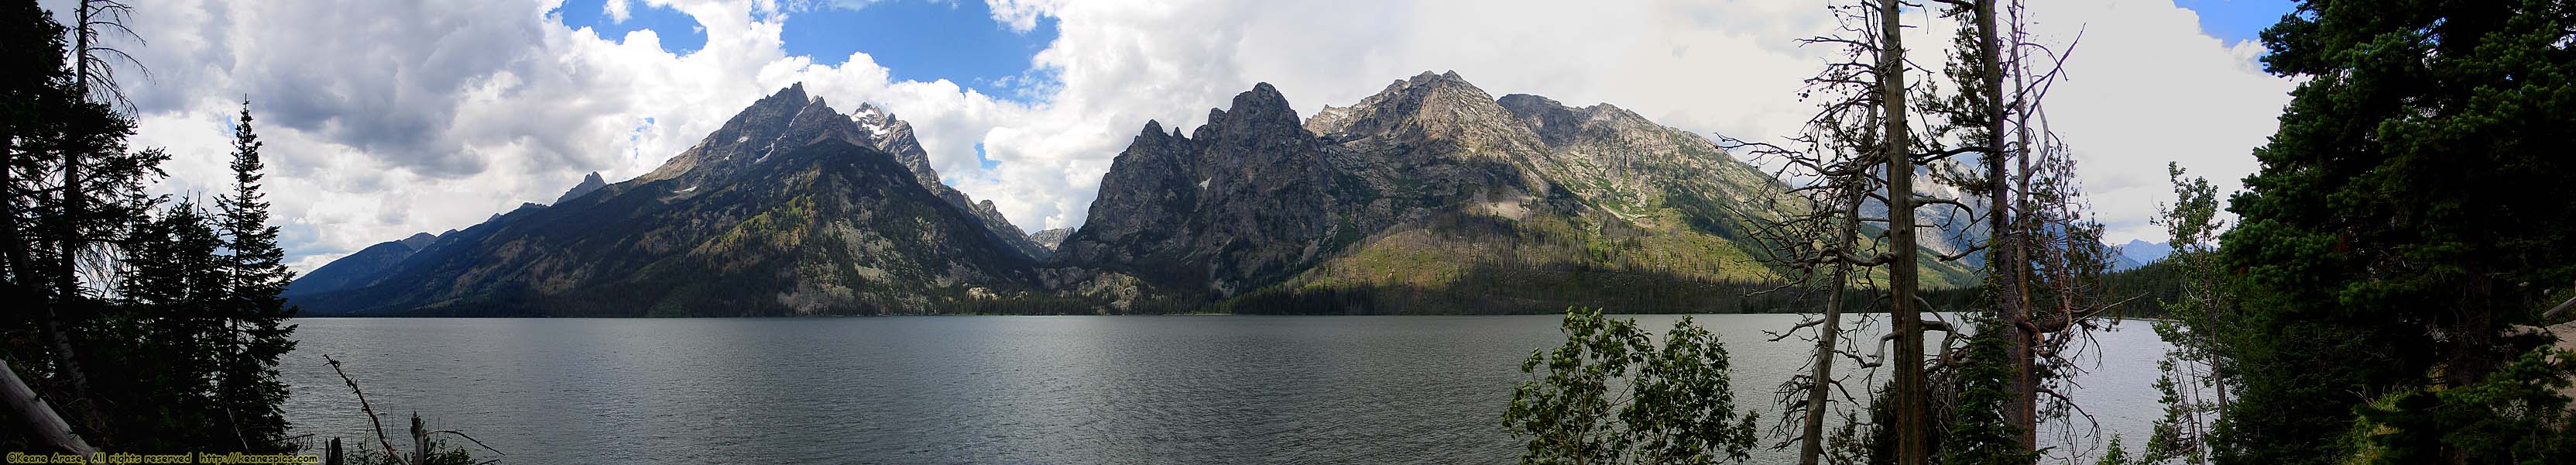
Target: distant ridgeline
(1429, 197)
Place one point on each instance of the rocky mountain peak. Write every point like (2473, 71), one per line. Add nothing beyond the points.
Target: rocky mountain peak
(880, 129)
(1262, 98)
(1252, 182)
(1444, 98)
(878, 122)
(1256, 114)
(894, 136)
(588, 184)
(782, 121)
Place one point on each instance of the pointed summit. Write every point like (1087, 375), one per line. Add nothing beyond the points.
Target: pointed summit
(1263, 105)
(877, 121)
(784, 120)
(893, 136)
(1255, 114)
(588, 184)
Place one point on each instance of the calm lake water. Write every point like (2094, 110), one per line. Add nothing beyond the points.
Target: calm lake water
(978, 389)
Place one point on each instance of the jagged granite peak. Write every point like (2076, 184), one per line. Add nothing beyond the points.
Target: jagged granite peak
(894, 136)
(588, 184)
(783, 120)
(1050, 238)
(789, 209)
(1244, 200)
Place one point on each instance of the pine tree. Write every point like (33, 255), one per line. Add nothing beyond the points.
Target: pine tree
(254, 316)
(60, 231)
(168, 341)
(2410, 210)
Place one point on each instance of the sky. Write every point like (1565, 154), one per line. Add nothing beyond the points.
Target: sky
(388, 118)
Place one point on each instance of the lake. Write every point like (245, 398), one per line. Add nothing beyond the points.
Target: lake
(1003, 389)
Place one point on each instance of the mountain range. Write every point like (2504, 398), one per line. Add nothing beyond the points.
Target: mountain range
(1431, 196)
(2139, 253)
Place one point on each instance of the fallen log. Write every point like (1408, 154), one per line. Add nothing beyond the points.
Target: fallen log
(41, 418)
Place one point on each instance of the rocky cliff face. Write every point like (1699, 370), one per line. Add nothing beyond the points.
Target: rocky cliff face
(1248, 198)
(788, 209)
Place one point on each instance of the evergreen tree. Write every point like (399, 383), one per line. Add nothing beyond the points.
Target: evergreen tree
(1979, 430)
(2410, 210)
(253, 314)
(169, 343)
(61, 233)
(173, 311)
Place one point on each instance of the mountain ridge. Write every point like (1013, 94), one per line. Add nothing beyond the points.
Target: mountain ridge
(1431, 196)
(788, 209)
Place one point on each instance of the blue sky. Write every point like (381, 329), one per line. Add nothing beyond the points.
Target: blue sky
(917, 40)
(2235, 20)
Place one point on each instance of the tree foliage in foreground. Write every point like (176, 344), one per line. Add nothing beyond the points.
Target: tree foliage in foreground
(1677, 406)
(2409, 214)
(147, 323)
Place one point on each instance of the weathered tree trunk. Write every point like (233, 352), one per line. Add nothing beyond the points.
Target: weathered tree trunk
(1828, 333)
(2023, 412)
(419, 441)
(1912, 446)
(48, 426)
(67, 284)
